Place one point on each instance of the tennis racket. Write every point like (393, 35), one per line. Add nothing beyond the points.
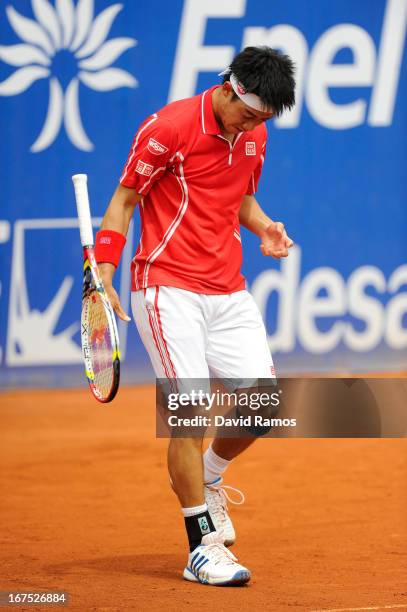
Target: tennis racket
(100, 340)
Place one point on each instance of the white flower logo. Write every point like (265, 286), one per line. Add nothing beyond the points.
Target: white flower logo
(64, 44)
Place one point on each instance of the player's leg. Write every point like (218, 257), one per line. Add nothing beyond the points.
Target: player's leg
(209, 561)
(237, 350)
(186, 470)
(172, 326)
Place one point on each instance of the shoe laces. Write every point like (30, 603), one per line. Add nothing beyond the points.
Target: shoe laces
(218, 553)
(223, 497)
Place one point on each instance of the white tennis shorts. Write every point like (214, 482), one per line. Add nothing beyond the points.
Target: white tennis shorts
(192, 335)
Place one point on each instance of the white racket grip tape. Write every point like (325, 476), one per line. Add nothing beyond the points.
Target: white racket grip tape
(80, 182)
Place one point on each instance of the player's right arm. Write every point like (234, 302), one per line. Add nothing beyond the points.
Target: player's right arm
(120, 210)
(117, 218)
(153, 147)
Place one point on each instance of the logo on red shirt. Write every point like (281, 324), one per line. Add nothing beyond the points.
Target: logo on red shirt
(156, 147)
(143, 168)
(250, 148)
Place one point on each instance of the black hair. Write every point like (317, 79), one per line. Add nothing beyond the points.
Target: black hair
(267, 73)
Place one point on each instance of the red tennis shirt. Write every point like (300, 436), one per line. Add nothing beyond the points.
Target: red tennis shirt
(192, 181)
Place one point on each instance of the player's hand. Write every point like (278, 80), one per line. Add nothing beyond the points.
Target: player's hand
(106, 272)
(274, 241)
(115, 302)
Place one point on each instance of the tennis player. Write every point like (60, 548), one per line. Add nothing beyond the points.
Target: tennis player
(194, 168)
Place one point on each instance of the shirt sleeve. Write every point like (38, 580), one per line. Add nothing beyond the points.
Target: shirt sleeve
(256, 174)
(153, 146)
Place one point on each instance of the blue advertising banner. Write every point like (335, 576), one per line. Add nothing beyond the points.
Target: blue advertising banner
(77, 77)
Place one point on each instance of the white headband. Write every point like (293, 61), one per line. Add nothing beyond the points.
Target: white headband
(250, 99)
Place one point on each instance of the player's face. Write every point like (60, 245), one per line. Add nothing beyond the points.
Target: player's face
(236, 116)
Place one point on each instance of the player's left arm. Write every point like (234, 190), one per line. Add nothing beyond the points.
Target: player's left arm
(273, 236)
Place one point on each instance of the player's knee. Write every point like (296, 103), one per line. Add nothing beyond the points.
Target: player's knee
(263, 406)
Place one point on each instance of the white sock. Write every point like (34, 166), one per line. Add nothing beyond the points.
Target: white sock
(194, 510)
(214, 466)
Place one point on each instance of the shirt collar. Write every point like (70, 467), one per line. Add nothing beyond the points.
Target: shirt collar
(208, 121)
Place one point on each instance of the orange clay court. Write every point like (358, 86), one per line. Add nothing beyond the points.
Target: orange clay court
(87, 508)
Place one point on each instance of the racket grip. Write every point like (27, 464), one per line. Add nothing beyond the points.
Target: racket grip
(80, 182)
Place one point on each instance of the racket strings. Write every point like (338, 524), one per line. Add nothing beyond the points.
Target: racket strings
(101, 345)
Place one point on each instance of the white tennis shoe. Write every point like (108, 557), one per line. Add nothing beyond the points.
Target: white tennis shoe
(212, 563)
(216, 497)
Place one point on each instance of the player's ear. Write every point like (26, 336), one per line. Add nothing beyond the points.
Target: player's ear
(226, 88)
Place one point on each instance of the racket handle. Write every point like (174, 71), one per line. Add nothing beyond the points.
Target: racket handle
(80, 182)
